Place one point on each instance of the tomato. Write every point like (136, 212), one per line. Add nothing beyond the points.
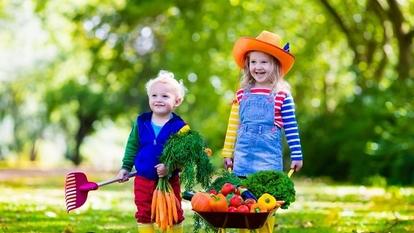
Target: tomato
(236, 200)
(249, 202)
(232, 209)
(212, 191)
(227, 188)
(243, 209)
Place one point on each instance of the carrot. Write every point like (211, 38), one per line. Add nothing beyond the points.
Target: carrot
(165, 211)
(173, 201)
(153, 204)
(158, 207)
(174, 207)
(162, 211)
(169, 208)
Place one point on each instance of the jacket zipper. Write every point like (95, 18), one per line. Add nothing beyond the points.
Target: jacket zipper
(152, 130)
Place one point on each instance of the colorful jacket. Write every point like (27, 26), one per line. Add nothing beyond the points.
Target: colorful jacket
(143, 149)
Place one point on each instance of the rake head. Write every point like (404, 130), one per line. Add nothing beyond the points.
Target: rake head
(77, 187)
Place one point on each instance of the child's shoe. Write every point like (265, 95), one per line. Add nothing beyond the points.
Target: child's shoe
(177, 228)
(145, 228)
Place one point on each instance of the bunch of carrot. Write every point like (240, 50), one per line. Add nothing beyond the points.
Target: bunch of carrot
(182, 152)
(164, 205)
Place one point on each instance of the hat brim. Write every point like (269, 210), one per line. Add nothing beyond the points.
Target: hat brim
(247, 44)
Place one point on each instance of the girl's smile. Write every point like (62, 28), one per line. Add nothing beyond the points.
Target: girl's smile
(261, 67)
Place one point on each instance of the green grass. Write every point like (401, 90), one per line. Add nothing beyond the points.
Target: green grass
(36, 204)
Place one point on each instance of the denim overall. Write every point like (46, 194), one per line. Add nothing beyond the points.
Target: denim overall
(258, 145)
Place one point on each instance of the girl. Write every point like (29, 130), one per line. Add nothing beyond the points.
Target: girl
(262, 107)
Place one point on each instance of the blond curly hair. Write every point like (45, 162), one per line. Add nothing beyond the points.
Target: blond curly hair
(167, 77)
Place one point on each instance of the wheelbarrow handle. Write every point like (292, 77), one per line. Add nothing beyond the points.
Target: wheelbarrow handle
(291, 172)
(131, 174)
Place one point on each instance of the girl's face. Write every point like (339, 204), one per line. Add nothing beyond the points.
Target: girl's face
(162, 99)
(261, 68)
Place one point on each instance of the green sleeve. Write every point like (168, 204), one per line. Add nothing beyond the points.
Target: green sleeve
(131, 148)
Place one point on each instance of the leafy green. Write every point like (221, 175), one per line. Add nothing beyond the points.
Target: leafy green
(224, 177)
(185, 151)
(276, 183)
(200, 223)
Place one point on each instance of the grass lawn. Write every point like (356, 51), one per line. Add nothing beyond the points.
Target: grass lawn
(35, 203)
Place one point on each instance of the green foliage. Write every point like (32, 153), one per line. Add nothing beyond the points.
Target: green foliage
(200, 225)
(352, 79)
(224, 177)
(375, 180)
(185, 151)
(275, 183)
(367, 136)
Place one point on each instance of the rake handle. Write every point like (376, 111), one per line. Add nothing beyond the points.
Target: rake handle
(131, 174)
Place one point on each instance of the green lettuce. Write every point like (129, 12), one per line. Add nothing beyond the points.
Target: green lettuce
(276, 183)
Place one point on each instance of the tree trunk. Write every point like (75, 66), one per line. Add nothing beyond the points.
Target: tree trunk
(405, 57)
(85, 127)
(33, 151)
(404, 37)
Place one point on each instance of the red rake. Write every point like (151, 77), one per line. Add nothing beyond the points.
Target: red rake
(77, 187)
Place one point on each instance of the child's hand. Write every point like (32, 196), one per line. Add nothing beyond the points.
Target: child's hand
(161, 170)
(228, 163)
(122, 176)
(296, 165)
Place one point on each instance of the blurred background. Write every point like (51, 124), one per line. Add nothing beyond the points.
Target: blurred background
(72, 77)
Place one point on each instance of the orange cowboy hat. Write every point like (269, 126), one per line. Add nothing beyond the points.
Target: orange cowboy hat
(266, 42)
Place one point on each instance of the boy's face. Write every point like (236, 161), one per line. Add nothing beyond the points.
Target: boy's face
(162, 99)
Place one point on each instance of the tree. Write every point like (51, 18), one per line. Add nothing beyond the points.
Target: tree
(367, 129)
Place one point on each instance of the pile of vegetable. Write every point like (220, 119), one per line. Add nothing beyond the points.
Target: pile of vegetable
(275, 183)
(261, 192)
(184, 151)
(231, 198)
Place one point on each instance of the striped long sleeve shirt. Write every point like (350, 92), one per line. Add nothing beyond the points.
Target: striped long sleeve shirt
(284, 118)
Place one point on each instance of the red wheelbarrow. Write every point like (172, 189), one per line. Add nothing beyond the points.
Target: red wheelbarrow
(250, 221)
(223, 220)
